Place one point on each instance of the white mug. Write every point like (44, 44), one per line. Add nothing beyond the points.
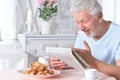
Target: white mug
(92, 74)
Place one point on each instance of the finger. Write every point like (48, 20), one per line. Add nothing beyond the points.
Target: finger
(77, 50)
(58, 66)
(54, 59)
(86, 45)
(57, 62)
(54, 62)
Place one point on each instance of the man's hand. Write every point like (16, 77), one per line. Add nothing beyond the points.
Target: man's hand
(86, 54)
(57, 63)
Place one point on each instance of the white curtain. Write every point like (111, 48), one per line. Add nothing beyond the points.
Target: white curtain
(8, 20)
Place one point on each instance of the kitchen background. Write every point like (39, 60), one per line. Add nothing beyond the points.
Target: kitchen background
(13, 17)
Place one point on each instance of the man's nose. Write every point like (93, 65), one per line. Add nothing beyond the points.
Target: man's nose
(82, 27)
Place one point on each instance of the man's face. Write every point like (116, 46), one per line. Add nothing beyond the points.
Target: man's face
(87, 23)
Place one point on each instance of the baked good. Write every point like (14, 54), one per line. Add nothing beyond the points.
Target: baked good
(37, 68)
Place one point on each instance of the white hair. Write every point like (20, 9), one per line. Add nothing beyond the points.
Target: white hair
(91, 5)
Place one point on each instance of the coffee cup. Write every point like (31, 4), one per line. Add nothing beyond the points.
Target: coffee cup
(92, 74)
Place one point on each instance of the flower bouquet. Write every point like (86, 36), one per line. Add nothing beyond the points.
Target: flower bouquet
(47, 9)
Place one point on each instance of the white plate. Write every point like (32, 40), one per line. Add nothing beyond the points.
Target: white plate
(22, 72)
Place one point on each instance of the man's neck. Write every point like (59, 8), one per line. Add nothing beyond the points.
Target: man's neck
(104, 26)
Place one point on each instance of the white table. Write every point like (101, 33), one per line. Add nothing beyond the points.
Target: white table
(68, 74)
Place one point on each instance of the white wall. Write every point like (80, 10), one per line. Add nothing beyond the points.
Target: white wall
(111, 10)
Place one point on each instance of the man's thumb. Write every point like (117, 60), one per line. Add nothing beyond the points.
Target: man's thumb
(86, 46)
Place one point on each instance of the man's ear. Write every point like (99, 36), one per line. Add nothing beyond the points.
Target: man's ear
(100, 17)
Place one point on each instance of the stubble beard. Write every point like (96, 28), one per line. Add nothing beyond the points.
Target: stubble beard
(92, 35)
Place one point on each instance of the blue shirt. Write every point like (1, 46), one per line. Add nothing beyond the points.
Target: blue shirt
(107, 48)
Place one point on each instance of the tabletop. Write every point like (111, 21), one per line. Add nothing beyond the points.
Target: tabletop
(68, 74)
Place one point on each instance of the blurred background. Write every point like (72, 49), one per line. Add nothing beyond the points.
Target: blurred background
(13, 18)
